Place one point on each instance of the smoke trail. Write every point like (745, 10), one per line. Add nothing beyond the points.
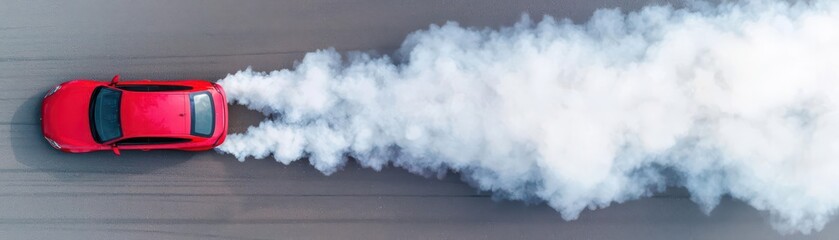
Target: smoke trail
(737, 99)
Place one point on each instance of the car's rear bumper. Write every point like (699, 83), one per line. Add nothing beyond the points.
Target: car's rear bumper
(224, 116)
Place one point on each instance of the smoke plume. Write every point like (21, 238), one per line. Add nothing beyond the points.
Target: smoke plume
(737, 99)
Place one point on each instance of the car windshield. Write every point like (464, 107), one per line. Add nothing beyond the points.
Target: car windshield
(203, 117)
(105, 114)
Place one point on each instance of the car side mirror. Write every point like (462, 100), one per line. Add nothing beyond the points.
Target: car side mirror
(116, 149)
(115, 80)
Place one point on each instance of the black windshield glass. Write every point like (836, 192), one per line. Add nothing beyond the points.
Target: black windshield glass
(105, 114)
(203, 117)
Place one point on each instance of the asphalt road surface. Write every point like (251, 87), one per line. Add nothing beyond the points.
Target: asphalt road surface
(45, 194)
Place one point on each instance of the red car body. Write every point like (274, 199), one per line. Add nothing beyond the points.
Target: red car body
(87, 115)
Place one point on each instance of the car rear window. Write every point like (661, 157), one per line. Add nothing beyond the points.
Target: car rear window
(203, 114)
(105, 119)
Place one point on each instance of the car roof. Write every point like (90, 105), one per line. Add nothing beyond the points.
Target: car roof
(161, 114)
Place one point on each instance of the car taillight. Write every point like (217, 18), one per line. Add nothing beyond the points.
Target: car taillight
(220, 90)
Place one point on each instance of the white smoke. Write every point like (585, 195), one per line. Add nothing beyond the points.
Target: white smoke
(738, 99)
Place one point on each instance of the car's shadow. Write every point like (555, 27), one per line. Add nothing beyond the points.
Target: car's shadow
(30, 149)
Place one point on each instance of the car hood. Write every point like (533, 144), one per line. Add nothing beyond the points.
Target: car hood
(64, 114)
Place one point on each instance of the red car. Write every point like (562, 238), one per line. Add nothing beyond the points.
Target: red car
(87, 115)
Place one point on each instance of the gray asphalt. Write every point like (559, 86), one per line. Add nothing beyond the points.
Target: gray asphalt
(45, 194)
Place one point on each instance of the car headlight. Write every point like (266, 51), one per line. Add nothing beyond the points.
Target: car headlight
(52, 91)
(53, 143)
